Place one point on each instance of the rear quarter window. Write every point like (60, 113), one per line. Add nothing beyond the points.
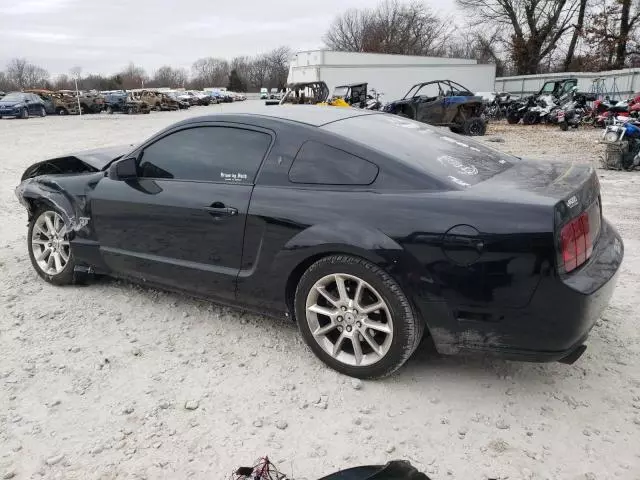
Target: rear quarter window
(454, 159)
(317, 163)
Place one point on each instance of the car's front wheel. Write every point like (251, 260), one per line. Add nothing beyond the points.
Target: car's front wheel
(25, 113)
(49, 247)
(355, 318)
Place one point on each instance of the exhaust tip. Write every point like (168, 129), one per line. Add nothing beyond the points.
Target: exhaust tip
(574, 355)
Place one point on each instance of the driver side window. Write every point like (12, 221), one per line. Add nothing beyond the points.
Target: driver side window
(213, 154)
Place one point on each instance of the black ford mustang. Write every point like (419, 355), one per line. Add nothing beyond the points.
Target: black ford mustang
(370, 229)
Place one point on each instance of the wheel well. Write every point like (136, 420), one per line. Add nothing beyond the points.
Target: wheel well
(294, 279)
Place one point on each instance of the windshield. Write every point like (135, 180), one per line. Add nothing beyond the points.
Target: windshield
(457, 161)
(13, 97)
(340, 92)
(548, 87)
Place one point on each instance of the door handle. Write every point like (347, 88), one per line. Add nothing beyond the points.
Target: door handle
(218, 209)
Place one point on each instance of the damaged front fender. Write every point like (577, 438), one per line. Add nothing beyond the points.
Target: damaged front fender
(68, 194)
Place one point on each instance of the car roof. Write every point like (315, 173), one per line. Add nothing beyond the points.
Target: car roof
(307, 114)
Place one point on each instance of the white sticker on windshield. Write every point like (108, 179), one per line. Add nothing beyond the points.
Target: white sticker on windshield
(452, 140)
(458, 181)
(457, 164)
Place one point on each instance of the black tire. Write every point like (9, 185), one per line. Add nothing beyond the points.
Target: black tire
(62, 111)
(25, 113)
(564, 126)
(456, 129)
(109, 110)
(66, 276)
(474, 127)
(512, 119)
(529, 118)
(407, 328)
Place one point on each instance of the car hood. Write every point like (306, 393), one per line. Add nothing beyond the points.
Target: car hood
(81, 162)
(10, 104)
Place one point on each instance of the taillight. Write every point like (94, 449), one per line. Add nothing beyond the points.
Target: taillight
(576, 240)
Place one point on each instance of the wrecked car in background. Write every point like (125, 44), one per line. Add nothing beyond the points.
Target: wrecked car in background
(58, 103)
(367, 229)
(124, 103)
(442, 103)
(160, 101)
(90, 102)
(22, 105)
(308, 93)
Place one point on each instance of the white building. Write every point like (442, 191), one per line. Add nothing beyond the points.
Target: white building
(391, 74)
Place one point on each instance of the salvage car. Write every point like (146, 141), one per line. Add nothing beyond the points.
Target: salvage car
(90, 102)
(367, 229)
(306, 93)
(57, 102)
(124, 102)
(22, 105)
(182, 105)
(443, 103)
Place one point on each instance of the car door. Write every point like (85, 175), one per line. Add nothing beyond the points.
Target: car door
(181, 221)
(31, 103)
(48, 103)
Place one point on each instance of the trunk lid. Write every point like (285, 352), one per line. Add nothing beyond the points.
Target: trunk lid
(573, 192)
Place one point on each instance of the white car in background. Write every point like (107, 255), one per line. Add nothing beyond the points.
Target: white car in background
(264, 93)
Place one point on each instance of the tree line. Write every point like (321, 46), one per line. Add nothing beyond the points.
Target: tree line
(520, 36)
(241, 74)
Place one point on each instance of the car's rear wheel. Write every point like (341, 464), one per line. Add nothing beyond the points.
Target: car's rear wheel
(49, 247)
(355, 318)
(474, 127)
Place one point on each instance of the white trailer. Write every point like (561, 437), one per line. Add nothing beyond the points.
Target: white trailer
(392, 75)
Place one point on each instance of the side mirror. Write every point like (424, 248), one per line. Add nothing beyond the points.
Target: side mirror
(125, 169)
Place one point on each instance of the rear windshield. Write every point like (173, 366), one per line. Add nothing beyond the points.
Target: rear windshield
(454, 159)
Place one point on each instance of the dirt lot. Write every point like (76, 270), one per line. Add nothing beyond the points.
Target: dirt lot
(94, 380)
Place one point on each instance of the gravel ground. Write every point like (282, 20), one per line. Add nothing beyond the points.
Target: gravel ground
(112, 380)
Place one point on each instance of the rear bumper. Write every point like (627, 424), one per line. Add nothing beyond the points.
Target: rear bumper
(552, 326)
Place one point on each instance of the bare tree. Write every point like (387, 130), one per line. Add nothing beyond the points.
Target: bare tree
(611, 34)
(578, 31)
(259, 72)
(132, 76)
(532, 28)
(26, 75)
(167, 76)
(63, 82)
(481, 45)
(5, 83)
(391, 27)
(278, 60)
(210, 72)
(628, 20)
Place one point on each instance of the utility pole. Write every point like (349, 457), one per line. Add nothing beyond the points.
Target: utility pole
(75, 71)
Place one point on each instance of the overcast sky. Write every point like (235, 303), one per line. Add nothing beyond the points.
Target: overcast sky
(103, 36)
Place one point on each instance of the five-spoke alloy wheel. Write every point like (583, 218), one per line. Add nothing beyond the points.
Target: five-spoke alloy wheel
(355, 317)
